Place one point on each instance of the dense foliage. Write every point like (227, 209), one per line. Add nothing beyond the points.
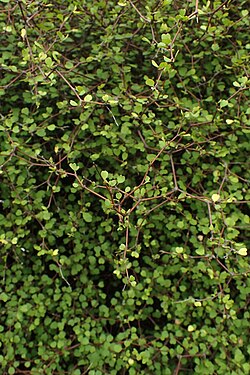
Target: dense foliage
(124, 187)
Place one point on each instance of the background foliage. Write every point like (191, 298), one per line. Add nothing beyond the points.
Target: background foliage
(124, 187)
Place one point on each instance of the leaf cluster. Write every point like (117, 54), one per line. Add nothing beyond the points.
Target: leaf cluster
(124, 187)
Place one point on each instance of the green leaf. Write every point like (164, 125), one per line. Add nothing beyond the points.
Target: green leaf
(69, 65)
(88, 98)
(243, 251)
(104, 175)
(215, 47)
(49, 62)
(215, 197)
(166, 39)
(150, 82)
(179, 250)
(120, 179)
(200, 250)
(154, 64)
(74, 166)
(122, 3)
(4, 297)
(117, 348)
(51, 127)
(55, 252)
(23, 33)
(87, 217)
(244, 12)
(73, 103)
(224, 103)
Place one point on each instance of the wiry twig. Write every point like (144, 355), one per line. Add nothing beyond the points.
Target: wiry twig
(69, 84)
(137, 10)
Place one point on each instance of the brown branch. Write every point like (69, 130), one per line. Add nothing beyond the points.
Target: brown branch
(144, 18)
(173, 172)
(69, 84)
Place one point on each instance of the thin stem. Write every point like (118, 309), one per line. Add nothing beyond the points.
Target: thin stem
(69, 84)
(137, 10)
(173, 172)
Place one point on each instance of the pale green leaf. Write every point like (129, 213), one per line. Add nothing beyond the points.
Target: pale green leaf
(104, 175)
(243, 251)
(215, 197)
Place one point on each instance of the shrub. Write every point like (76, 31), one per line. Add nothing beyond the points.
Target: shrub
(125, 187)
